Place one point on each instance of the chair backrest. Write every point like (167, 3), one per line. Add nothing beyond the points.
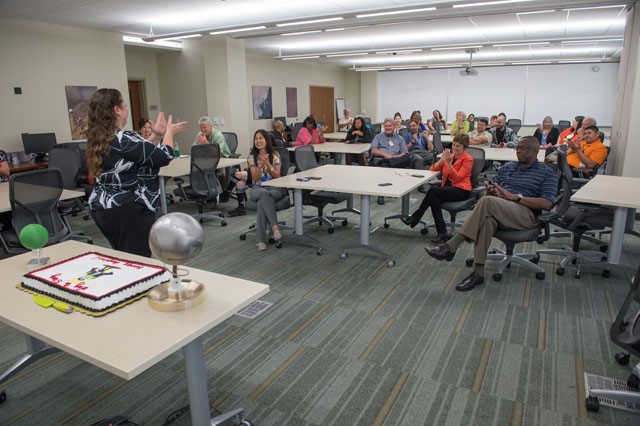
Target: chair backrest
(34, 198)
(283, 120)
(306, 157)
(478, 164)
(68, 161)
(402, 131)
(285, 160)
(563, 125)
(437, 143)
(295, 130)
(515, 124)
(377, 128)
(564, 185)
(204, 162)
(232, 141)
(472, 125)
(367, 120)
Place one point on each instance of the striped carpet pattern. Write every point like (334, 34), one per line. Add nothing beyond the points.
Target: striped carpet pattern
(353, 342)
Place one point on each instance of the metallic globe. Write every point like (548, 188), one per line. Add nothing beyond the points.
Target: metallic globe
(176, 238)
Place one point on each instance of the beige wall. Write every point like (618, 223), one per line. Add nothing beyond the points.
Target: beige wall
(43, 59)
(143, 66)
(369, 95)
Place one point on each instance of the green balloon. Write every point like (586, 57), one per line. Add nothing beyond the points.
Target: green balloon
(34, 236)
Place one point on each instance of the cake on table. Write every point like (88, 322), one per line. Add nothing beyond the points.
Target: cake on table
(95, 282)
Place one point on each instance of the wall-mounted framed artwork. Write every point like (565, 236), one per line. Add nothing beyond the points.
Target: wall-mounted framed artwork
(262, 103)
(78, 98)
(292, 101)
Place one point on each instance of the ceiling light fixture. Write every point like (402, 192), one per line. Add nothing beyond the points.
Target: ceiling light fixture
(408, 67)
(398, 52)
(591, 41)
(489, 3)
(333, 29)
(314, 21)
(180, 37)
(396, 12)
(531, 63)
(300, 33)
(580, 61)
(237, 30)
(535, 12)
(445, 66)
(137, 41)
(456, 47)
(371, 69)
(594, 7)
(541, 43)
(293, 58)
(337, 55)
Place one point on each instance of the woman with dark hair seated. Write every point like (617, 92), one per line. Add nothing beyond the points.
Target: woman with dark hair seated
(264, 165)
(310, 133)
(455, 165)
(358, 133)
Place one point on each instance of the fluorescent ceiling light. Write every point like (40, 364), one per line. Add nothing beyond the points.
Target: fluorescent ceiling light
(395, 52)
(408, 67)
(541, 43)
(395, 12)
(180, 37)
(595, 7)
(158, 43)
(456, 47)
(445, 66)
(371, 69)
(576, 61)
(530, 63)
(293, 58)
(591, 41)
(333, 29)
(314, 21)
(300, 33)
(489, 3)
(337, 55)
(535, 12)
(237, 30)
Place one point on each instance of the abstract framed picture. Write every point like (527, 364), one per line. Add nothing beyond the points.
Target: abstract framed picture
(292, 101)
(262, 103)
(78, 98)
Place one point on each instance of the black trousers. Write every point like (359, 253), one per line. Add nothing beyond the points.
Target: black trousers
(434, 199)
(126, 227)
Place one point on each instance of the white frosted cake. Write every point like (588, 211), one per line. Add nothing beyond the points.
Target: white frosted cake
(94, 281)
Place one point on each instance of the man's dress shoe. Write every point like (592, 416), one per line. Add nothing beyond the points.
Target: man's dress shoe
(470, 282)
(440, 252)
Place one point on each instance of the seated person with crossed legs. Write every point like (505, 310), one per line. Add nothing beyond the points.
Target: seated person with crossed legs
(264, 165)
(520, 190)
(389, 150)
(455, 166)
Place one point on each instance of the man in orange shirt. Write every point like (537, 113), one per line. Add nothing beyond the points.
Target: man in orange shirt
(589, 152)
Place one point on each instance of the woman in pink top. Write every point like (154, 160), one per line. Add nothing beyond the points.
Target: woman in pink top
(309, 133)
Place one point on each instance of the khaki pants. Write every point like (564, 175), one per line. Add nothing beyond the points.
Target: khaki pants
(490, 214)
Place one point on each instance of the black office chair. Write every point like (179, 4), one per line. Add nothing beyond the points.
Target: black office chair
(367, 120)
(515, 124)
(204, 184)
(624, 332)
(377, 128)
(306, 160)
(563, 125)
(402, 131)
(295, 130)
(34, 197)
(68, 161)
(232, 143)
(455, 207)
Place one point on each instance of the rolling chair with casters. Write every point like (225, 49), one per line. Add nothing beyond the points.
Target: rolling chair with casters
(283, 204)
(563, 125)
(306, 160)
(624, 332)
(34, 197)
(295, 130)
(515, 124)
(455, 207)
(232, 142)
(204, 182)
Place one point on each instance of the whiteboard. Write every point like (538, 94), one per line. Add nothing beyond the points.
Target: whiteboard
(525, 92)
(340, 106)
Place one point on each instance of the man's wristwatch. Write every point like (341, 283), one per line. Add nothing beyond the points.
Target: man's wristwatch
(519, 199)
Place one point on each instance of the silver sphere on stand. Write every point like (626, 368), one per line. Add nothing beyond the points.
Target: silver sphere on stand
(176, 239)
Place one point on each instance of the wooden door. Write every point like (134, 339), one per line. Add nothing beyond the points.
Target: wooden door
(322, 106)
(137, 105)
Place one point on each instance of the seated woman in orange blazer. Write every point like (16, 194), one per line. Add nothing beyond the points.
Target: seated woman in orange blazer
(455, 165)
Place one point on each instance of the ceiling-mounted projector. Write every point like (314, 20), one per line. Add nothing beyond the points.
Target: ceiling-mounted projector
(469, 71)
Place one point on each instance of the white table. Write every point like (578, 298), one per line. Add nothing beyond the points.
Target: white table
(623, 193)
(132, 339)
(355, 180)
(503, 154)
(5, 205)
(336, 136)
(182, 167)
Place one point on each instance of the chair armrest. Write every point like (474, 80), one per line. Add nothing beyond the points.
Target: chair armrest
(234, 156)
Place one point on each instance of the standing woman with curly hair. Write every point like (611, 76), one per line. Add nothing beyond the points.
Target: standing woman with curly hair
(125, 166)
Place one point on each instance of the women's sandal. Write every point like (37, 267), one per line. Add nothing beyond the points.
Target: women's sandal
(261, 246)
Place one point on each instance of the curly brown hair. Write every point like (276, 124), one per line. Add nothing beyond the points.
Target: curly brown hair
(102, 127)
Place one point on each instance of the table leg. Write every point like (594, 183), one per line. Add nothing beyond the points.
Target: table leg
(193, 353)
(365, 218)
(299, 221)
(349, 208)
(36, 349)
(163, 196)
